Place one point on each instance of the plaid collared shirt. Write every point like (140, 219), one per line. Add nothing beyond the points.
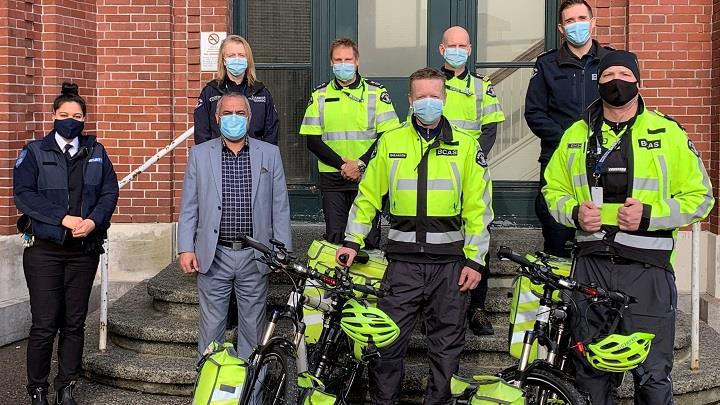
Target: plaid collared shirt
(236, 194)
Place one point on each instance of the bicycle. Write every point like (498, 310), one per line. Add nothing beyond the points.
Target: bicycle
(548, 380)
(278, 359)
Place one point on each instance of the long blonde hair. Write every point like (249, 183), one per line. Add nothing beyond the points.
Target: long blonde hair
(249, 72)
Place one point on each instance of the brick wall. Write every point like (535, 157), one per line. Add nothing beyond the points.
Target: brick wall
(714, 164)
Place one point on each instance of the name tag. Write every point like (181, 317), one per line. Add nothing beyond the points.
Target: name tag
(597, 196)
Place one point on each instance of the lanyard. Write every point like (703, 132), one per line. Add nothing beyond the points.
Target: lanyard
(466, 91)
(601, 161)
(355, 98)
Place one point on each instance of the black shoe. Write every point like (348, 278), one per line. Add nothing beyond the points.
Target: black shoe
(479, 322)
(38, 397)
(64, 395)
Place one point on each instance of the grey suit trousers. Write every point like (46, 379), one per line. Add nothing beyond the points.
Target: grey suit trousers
(232, 269)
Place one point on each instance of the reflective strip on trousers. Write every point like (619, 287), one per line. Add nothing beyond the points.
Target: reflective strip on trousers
(435, 238)
(644, 242)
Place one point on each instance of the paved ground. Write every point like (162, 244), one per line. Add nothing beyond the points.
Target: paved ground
(13, 380)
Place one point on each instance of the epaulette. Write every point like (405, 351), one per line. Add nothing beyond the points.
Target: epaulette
(548, 52)
(321, 85)
(374, 83)
(479, 76)
(669, 118)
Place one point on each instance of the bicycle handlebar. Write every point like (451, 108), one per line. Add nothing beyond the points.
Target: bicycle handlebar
(543, 274)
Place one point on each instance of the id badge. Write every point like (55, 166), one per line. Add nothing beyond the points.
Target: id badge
(597, 196)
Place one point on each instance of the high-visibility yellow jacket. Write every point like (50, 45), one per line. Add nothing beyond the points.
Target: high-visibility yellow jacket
(664, 172)
(439, 194)
(348, 118)
(471, 102)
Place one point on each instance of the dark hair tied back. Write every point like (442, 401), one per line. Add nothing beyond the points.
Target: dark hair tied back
(69, 93)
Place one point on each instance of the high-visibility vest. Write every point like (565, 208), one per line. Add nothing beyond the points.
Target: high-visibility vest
(665, 173)
(348, 118)
(471, 102)
(439, 194)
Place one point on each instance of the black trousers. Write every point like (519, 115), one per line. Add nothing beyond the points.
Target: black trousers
(336, 208)
(430, 289)
(555, 235)
(654, 289)
(60, 280)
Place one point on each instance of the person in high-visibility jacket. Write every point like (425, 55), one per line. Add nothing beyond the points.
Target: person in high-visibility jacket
(440, 206)
(627, 179)
(472, 105)
(342, 122)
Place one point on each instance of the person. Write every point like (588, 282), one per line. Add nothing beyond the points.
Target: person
(67, 190)
(439, 192)
(472, 105)
(562, 86)
(236, 73)
(612, 179)
(342, 121)
(232, 185)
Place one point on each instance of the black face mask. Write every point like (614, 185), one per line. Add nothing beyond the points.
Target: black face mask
(618, 92)
(69, 128)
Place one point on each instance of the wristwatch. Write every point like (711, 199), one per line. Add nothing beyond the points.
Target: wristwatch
(361, 166)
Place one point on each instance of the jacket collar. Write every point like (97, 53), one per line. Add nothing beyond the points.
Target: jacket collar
(354, 85)
(449, 74)
(596, 52)
(446, 133)
(593, 115)
(48, 142)
(222, 86)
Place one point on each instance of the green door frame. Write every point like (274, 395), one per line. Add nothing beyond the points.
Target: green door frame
(338, 18)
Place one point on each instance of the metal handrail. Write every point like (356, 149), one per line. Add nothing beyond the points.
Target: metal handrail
(102, 344)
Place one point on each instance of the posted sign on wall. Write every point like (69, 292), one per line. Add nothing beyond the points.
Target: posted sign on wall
(209, 47)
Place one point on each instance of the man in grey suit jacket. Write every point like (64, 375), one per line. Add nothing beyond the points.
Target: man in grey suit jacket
(232, 184)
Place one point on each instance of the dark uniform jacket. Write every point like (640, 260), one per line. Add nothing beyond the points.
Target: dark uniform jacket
(263, 124)
(40, 186)
(561, 88)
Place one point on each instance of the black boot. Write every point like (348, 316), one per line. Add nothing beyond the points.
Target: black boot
(64, 395)
(479, 322)
(38, 396)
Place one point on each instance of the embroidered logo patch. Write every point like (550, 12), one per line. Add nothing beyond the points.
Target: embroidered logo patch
(574, 145)
(491, 91)
(95, 160)
(446, 152)
(692, 148)
(257, 99)
(394, 155)
(385, 97)
(214, 99)
(480, 158)
(20, 158)
(644, 143)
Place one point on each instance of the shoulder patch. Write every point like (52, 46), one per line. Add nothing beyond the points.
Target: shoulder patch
(321, 85)
(374, 83)
(534, 73)
(385, 97)
(21, 157)
(214, 98)
(491, 91)
(694, 150)
(480, 158)
(310, 101)
(486, 78)
(199, 103)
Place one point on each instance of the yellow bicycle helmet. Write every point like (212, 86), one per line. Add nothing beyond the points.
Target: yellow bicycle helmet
(619, 353)
(365, 324)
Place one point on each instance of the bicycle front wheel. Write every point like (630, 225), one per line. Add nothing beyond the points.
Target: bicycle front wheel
(543, 387)
(276, 379)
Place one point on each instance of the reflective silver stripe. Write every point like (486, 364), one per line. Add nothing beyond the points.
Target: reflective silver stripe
(321, 105)
(642, 183)
(644, 242)
(400, 236)
(456, 173)
(487, 217)
(355, 227)
(386, 116)
(471, 125)
(582, 236)
(406, 184)
(676, 217)
(311, 121)
(349, 135)
(371, 105)
(478, 99)
(559, 213)
(492, 108)
(432, 184)
(571, 159)
(393, 172)
(580, 180)
(438, 238)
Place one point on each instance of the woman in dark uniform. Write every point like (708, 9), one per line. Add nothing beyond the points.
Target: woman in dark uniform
(67, 190)
(236, 74)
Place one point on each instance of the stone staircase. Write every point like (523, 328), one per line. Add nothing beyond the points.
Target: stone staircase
(153, 333)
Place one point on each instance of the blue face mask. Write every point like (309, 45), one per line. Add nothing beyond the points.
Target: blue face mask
(344, 71)
(456, 56)
(427, 110)
(578, 33)
(233, 127)
(236, 66)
